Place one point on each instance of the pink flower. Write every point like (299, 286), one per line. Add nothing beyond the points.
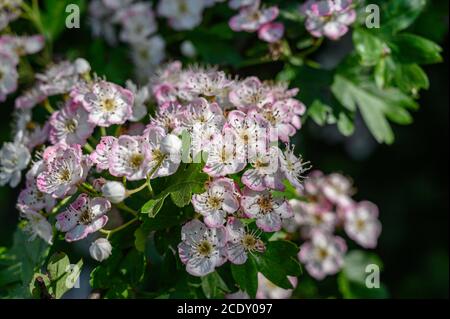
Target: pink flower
(329, 18)
(207, 82)
(100, 157)
(82, 217)
(30, 98)
(323, 254)
(65, 168)
(264, 173)
(293, 167)
(251, 18)
(182, 14)
(37, 225)
(278, 120)
(338, 189)
(266, 209)
(219, 200)
(250, 93)
(202, 249)
(106, 102)
(129, 157)
(271, 32)
(31, 197)
(70, 125)
(241, 242)
(17, 46)
(200, 112)
(168, 116)
(362, 224)
(137, 21)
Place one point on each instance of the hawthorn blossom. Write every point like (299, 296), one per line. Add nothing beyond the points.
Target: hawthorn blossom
(202, 249)
(31, 198)
(8, 76)
(114, 191)
(37, 226)
(130, 157)
(147, 54)
(271, 32)
(199, 112)
(14, 157)
(293, 167)
(70, 125)
(264, 172)
(267, 290)
(100, 20)
(106, 102)
(137, 21)
(168, 116)
(62, 77)
(311, 216)
(329, 18)
(323, 254)
(362, 225)
(100, 156)
(187, 48)
(28, 132)
(268, 211)
(219, 200)
(17, 46)
(250, 93)
(83, 217)
(29, 98)
(225, 156)
(181, 14)
(141, 97)
(208, 83)
(165, 151)
(237, 4)
(65, 168)
(338, 189)
(100, 249)
(251, 18)
(241, 242)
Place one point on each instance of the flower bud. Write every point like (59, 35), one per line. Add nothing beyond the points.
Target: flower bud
(171, 144)
(100, 249)
(188, 49)
(82, 66)
(115, 192)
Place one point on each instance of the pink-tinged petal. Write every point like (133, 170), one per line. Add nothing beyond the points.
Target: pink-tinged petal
(215, 219)
(236, 253)
(253, 180)
(269, 223)
(99, 206)
(271, 32)
(334, 30)
(200, 266)
(230, 203)
(77, 233)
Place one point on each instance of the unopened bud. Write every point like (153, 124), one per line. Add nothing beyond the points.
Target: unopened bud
(115, 192)
(100, 249)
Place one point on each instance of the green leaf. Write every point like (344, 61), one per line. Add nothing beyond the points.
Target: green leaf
(368, 46)
(352, 279)
(345, 124)
(246, 276)
(133, 267)
(319, 112)
(62, 274)
(154, 205)
(375, 105)
(213, 286)
(410, 78)
(410, 48)
(278, 262)
(400, 14)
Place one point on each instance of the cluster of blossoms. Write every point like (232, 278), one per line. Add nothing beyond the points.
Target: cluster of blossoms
(253, 18)
(329, 18)
(138, 29)
(328, 206)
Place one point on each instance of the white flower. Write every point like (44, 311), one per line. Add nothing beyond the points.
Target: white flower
(182, 14)
(293, 167)
(146, 55)
(37, 225)
(241, 242)
(141, 97)
(219, 200)
(323, 254)
(114, 191)
(14, 157)
(100, 249)
(138, 22)
(202, 249)
(267, 290)
(362, 225)
(8, 76)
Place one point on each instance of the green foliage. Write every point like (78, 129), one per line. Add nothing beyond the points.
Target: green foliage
(352, 279)
(246, 276)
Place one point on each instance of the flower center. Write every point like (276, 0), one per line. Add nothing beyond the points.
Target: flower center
(215, 202)
(71, 126)
(204, 248)
(157, 155)
(360, 225)
(86, 217)
(249, 242)
(1, 75)
(136, 160)
(64, 175)
(322, 253)
(265, 204)
(108, 105)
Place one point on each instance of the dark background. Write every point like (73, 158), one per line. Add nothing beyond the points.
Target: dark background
(407, 180)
